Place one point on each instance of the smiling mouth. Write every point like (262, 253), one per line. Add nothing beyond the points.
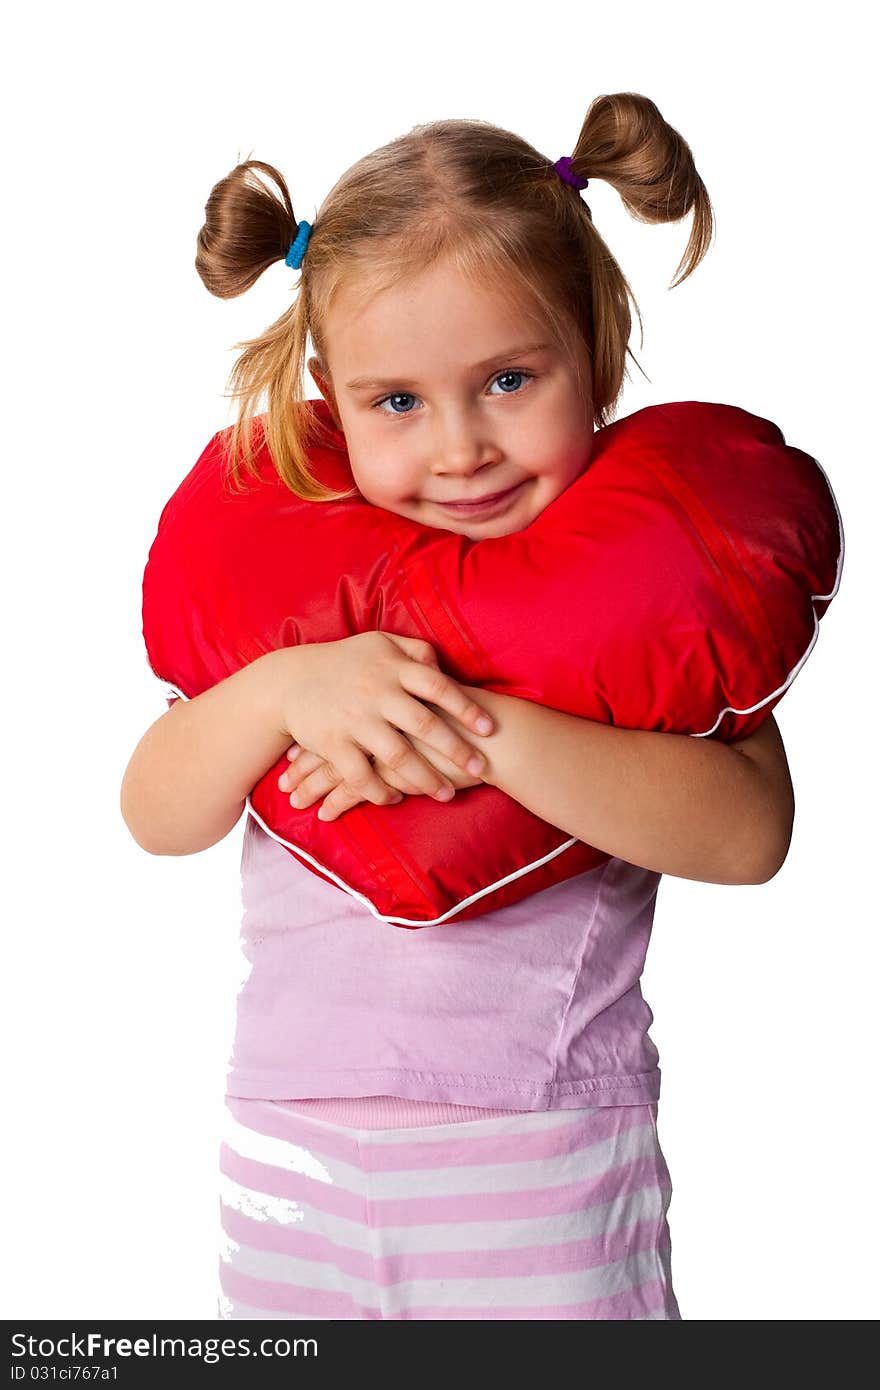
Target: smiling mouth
(481, 504)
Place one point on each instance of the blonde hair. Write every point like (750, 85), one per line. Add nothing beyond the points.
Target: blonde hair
(462, 190)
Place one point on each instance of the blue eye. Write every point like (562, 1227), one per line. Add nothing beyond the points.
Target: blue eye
(510, 373)
(398, 396)
(407, 395)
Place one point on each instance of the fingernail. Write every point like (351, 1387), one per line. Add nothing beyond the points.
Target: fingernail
(444, 794)
(484, 724)
(475, 765)
(294, 752)
(282, 782)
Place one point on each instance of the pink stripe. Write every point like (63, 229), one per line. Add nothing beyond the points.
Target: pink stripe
(328, 1197)
(289, 1298)
(293, 1240)
(433, 1208)
(627, 1305)
(567, 1258)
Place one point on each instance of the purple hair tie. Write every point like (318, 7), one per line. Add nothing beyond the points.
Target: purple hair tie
(565, 171)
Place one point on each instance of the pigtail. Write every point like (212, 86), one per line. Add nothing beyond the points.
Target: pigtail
(625, 141)
(246, 229)
(248, 226)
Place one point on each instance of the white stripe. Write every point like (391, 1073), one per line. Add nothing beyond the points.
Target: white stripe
(525, 1290)
(259, 1206)
(339, 1230)
(278, 1153)
(232, 1308)
(320, 1275)
(229, 1248)
(529, 1290)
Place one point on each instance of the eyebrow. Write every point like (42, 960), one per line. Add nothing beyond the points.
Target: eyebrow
(361, 383)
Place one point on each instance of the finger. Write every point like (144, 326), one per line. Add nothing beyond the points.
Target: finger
(341, 799)
(403, 766)
(414, 648)
(353, 767)
(396, 779)
(294, 773)
(336, 802)
(430, 725)
(434, 686)
(313, 787)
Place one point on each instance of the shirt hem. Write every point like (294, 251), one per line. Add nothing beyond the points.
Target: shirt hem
(491, 1092)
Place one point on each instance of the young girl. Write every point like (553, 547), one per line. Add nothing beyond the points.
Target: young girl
(458, 1122)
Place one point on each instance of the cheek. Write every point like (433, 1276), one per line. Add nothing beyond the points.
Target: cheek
(386, 470)
(389, 486)
(556, 468)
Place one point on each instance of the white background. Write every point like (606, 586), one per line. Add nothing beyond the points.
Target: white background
(121, 968)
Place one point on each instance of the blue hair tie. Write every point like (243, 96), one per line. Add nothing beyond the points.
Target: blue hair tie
(298, 246)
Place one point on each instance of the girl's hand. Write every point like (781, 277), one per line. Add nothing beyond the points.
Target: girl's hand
(312, 778)
(358, 698)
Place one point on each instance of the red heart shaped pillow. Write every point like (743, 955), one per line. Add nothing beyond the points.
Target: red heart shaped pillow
(676, 586)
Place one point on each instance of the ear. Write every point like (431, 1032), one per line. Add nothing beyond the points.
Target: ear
(324, 385)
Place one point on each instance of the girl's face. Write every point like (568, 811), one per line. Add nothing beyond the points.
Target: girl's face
(446, 393)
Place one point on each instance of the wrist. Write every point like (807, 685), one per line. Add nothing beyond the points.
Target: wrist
(274, 672)
(489, 745)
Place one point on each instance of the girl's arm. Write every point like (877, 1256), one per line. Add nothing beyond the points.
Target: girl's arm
(692, 807)
(187, 780)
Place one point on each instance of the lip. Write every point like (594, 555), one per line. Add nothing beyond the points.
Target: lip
(493, 503)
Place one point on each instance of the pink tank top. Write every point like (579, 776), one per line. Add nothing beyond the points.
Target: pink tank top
(535, 1006)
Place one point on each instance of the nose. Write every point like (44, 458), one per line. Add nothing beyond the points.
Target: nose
(464, 446)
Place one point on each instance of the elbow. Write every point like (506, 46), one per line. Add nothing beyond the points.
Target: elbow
(772, 853)
(765, 872)
(775, 865)
(125, 812)
(128, 809)
(160, 849)
(131, 824)
(177, 841)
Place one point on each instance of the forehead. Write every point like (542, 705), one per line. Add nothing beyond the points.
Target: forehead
(435, 312)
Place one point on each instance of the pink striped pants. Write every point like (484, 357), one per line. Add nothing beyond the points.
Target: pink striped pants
(539, 1215)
